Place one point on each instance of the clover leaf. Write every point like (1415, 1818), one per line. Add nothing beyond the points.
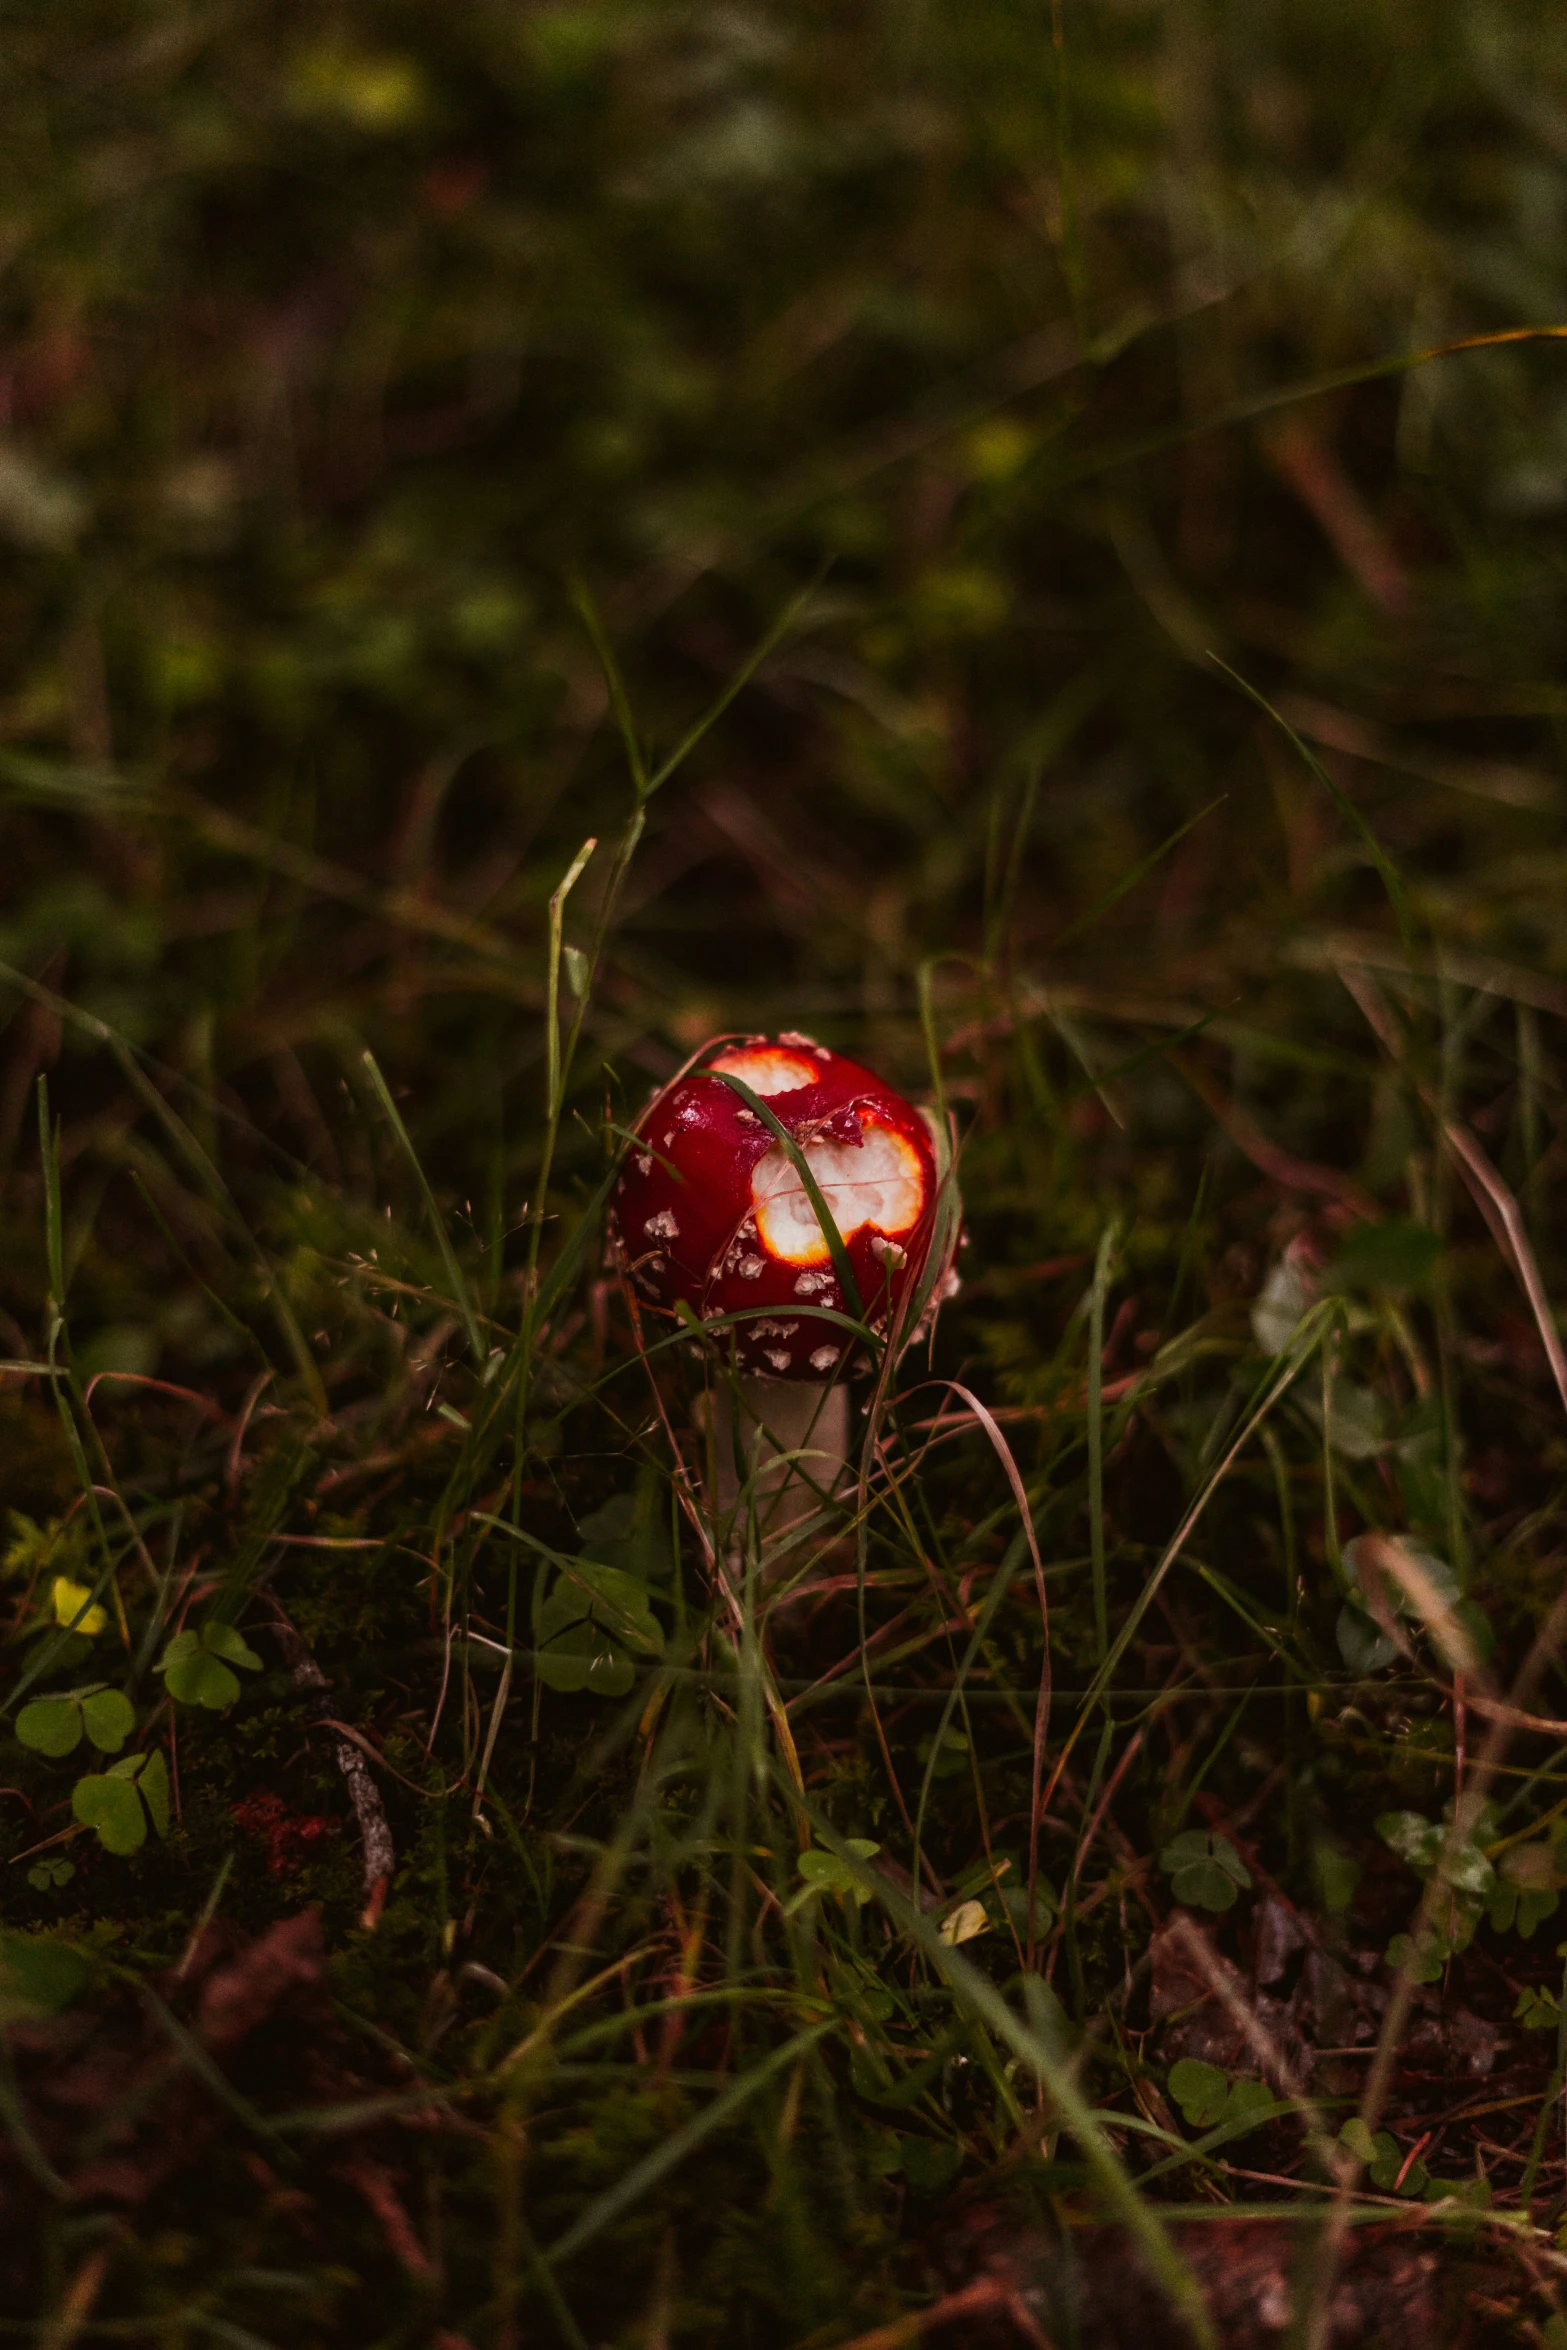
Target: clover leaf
(117, 1804)
(196, 1665)
(1384, 2158)
(1205, 1871)
(54, 1725)
(1391, 1576)
(50, 1725)
(1013, 1899)
(583, 1625)
(1199, 2090)
(1363, 1645)
(1206, 2098)
(1524, 1909)
(75, 1609)
(1425, 1845)
(1421, 1961)
(38, 1976)
(824, 1872)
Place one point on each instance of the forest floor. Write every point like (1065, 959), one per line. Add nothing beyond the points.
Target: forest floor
(1027, 548)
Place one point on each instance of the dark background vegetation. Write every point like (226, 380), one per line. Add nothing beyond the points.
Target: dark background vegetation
(351, 356)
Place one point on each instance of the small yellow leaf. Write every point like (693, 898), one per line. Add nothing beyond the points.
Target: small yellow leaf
(70, 1600)
(963, 1923)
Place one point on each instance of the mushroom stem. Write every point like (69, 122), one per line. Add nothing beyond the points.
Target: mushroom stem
(778, 1420)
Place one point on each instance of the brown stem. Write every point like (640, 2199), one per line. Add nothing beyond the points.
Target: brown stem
(380, 1854)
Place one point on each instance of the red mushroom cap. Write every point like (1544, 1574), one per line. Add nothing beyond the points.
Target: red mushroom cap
(712, 1210)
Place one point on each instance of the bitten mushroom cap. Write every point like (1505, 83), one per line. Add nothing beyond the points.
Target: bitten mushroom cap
(710, 1207)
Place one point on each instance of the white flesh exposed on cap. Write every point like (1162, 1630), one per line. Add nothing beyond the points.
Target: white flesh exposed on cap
(878, 1181)
(766, 1070)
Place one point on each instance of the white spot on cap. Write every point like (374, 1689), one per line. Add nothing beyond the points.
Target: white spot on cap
(774, 1329)
(662, 1226)
(751, 1266)
(796, 1036)
(778, 1358)
(644, 1162)
(813, 1285)
(824, 1358)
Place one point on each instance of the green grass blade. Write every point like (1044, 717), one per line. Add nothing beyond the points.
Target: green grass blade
(813, 1191)
(643, 2176)
(1392, 880)
(741, 678)
(460, 1296)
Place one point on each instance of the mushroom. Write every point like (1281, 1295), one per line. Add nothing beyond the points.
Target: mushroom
(713, 1215)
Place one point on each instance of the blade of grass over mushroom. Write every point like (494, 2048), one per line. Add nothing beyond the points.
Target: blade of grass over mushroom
(460, 1296)
(813, 1190)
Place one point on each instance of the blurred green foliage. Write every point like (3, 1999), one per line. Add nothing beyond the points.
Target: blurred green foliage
(336, 342)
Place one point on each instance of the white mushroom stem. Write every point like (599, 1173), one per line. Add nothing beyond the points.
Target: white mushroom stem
(791, 1448)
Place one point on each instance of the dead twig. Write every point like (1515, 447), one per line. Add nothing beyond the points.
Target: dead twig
(380, 1853)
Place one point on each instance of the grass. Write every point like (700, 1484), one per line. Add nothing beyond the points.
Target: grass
(536, 538)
